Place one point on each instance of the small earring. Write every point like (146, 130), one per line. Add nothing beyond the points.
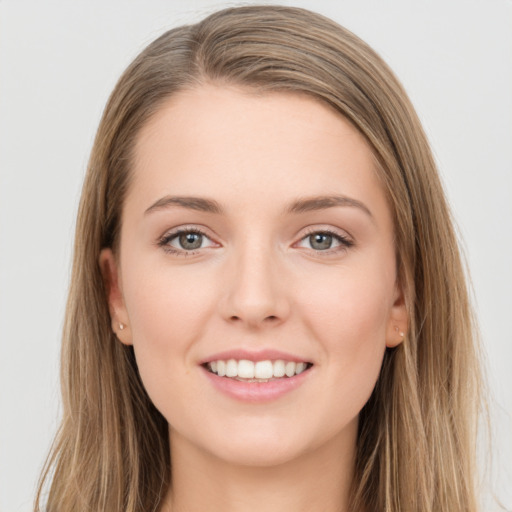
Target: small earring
(402, 334)
(121, 327)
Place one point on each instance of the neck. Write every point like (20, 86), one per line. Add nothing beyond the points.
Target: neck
(317, 480)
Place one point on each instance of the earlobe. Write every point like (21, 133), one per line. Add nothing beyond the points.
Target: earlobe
(113, 287)
(398, 321)
(395, 337)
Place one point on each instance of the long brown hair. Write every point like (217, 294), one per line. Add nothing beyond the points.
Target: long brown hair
(416, 443)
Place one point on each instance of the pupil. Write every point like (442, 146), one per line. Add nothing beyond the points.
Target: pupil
(320, 241)
(190, 240)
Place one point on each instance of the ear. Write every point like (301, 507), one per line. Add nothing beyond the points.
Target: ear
(398, 320)
(113, 285)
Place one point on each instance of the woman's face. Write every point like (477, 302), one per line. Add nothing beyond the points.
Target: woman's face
(255, 230)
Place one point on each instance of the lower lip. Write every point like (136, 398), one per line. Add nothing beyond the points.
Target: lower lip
(256, 391)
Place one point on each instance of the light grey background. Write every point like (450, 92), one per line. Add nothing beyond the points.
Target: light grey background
(59, 61)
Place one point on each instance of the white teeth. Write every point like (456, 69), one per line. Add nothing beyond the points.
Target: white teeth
(300, 368)
(246, 369)
(221, 368)
(289, 369)
(261, 370)
(231, 368)
(279, 368)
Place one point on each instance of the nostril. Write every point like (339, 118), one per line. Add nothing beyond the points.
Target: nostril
(273, 319)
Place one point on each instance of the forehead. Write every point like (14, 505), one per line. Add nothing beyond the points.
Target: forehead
(249, 147)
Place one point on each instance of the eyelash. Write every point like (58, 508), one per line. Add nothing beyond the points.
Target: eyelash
(164, 241)
(345, 242)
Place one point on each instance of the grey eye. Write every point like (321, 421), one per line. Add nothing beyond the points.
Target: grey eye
(320, 241)
(185, 241)
(190, 241)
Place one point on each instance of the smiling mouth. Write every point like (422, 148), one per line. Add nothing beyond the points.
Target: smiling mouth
(259, 371)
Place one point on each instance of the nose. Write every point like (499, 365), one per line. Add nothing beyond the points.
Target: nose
(255, 291)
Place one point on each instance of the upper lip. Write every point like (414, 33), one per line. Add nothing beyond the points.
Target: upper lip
(254, 355)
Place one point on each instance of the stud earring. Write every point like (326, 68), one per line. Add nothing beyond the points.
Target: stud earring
(121, 326)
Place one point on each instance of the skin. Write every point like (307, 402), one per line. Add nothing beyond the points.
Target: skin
(258, 281)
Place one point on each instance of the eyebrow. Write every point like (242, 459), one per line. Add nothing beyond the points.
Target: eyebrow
(323, 202)
(301, 205)
(192, 203)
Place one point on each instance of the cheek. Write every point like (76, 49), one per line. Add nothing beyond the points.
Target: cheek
(167, 312)
(348, 313)
(351, 307)
(165, 306)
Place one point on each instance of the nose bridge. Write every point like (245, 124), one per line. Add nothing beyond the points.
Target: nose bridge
(255, 294)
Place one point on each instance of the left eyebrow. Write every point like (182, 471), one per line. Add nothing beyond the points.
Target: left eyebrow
(323, 202)
(193, 203)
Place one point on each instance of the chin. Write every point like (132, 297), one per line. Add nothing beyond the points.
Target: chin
(259, 454)
(246, 443)
(266, 444)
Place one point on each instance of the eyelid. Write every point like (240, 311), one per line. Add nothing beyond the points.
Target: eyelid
(164, 240)
(344, 240)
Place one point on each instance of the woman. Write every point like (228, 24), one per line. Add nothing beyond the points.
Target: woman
(268, 308)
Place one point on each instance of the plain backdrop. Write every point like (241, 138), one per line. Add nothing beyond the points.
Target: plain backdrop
(59, 60)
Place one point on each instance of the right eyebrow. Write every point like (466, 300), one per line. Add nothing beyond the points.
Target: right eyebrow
(193, 203)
